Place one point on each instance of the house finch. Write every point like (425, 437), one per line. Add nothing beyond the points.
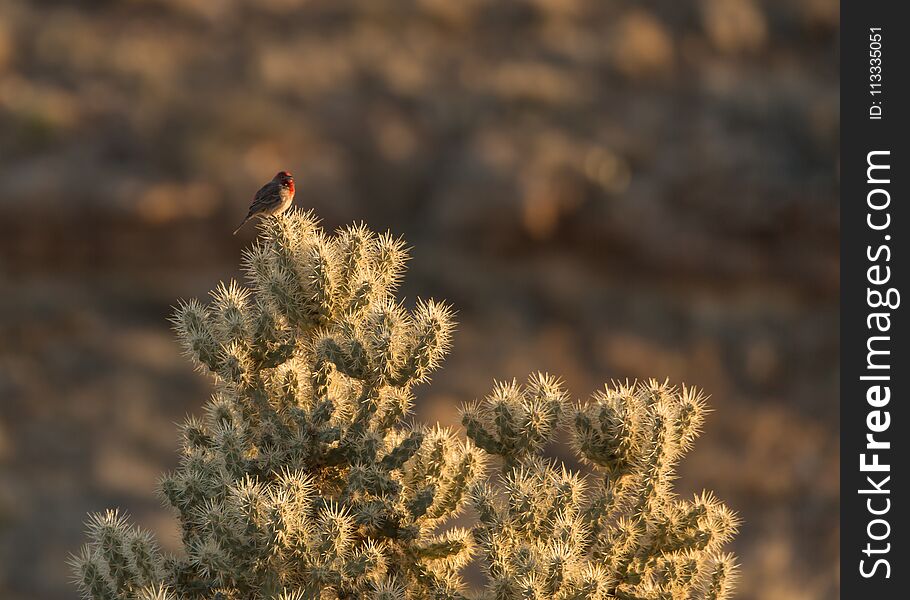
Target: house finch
(273, 198)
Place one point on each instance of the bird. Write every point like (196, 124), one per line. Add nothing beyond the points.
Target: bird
(273, 198)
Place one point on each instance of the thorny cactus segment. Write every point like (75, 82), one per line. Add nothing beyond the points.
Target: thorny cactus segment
(302, 480)
(515, 422)
(546, 533)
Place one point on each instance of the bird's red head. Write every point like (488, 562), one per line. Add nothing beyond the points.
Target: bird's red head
(285, 179)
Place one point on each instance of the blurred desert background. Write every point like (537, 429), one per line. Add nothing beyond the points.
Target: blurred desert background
(604, 189)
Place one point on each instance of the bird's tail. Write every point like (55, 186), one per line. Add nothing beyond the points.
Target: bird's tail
(241, 225)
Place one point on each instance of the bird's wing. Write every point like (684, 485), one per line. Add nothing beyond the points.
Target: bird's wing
(264, 197)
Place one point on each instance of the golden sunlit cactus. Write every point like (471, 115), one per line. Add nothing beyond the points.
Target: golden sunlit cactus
(618, 533)
(302, 481)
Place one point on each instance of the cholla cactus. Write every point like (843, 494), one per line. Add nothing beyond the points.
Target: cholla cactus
(302, 480)
(620, 533)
